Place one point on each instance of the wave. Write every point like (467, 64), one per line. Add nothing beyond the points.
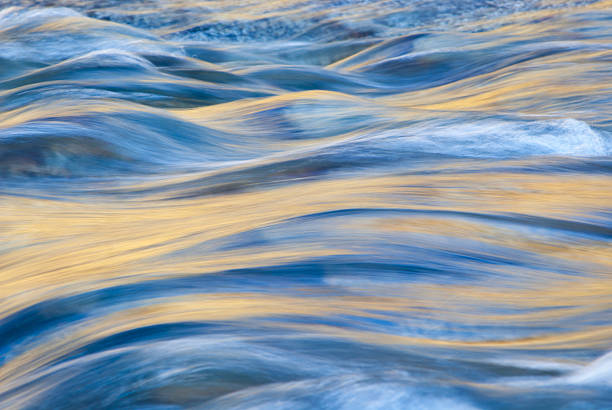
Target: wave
(101, 136)
(93, 62)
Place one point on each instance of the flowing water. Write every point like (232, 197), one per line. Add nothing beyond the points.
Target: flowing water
(352, 204)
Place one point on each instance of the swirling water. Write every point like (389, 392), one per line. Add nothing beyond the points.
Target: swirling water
(304, 204)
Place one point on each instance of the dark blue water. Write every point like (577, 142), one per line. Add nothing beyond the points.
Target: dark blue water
(305, 204)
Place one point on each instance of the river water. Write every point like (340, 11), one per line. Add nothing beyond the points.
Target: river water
(353, 204)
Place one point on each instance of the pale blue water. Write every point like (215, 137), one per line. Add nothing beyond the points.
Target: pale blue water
(305, 204)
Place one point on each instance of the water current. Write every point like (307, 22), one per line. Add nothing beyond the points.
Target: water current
(300, 204)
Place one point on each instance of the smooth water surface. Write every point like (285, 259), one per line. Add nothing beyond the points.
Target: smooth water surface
(353, 204)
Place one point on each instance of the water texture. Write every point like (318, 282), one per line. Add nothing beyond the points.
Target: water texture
(354, 204)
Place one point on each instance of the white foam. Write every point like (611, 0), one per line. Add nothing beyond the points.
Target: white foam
(595, 373)
(537, 364)
(12, 17)
(347, 391)
(51, 35)
(503, 139)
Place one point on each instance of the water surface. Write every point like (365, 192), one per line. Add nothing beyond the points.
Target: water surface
(305, 204)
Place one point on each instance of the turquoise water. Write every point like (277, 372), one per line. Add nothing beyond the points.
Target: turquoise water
(305, 204)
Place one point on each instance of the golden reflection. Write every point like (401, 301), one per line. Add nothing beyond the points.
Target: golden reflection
(85, 242)
(50, 244)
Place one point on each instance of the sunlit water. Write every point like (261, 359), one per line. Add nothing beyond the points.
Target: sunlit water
(305, 204)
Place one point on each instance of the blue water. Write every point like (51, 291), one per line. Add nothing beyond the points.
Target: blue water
(305, 205)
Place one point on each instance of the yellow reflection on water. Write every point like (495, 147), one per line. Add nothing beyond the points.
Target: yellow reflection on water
(56, 248)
